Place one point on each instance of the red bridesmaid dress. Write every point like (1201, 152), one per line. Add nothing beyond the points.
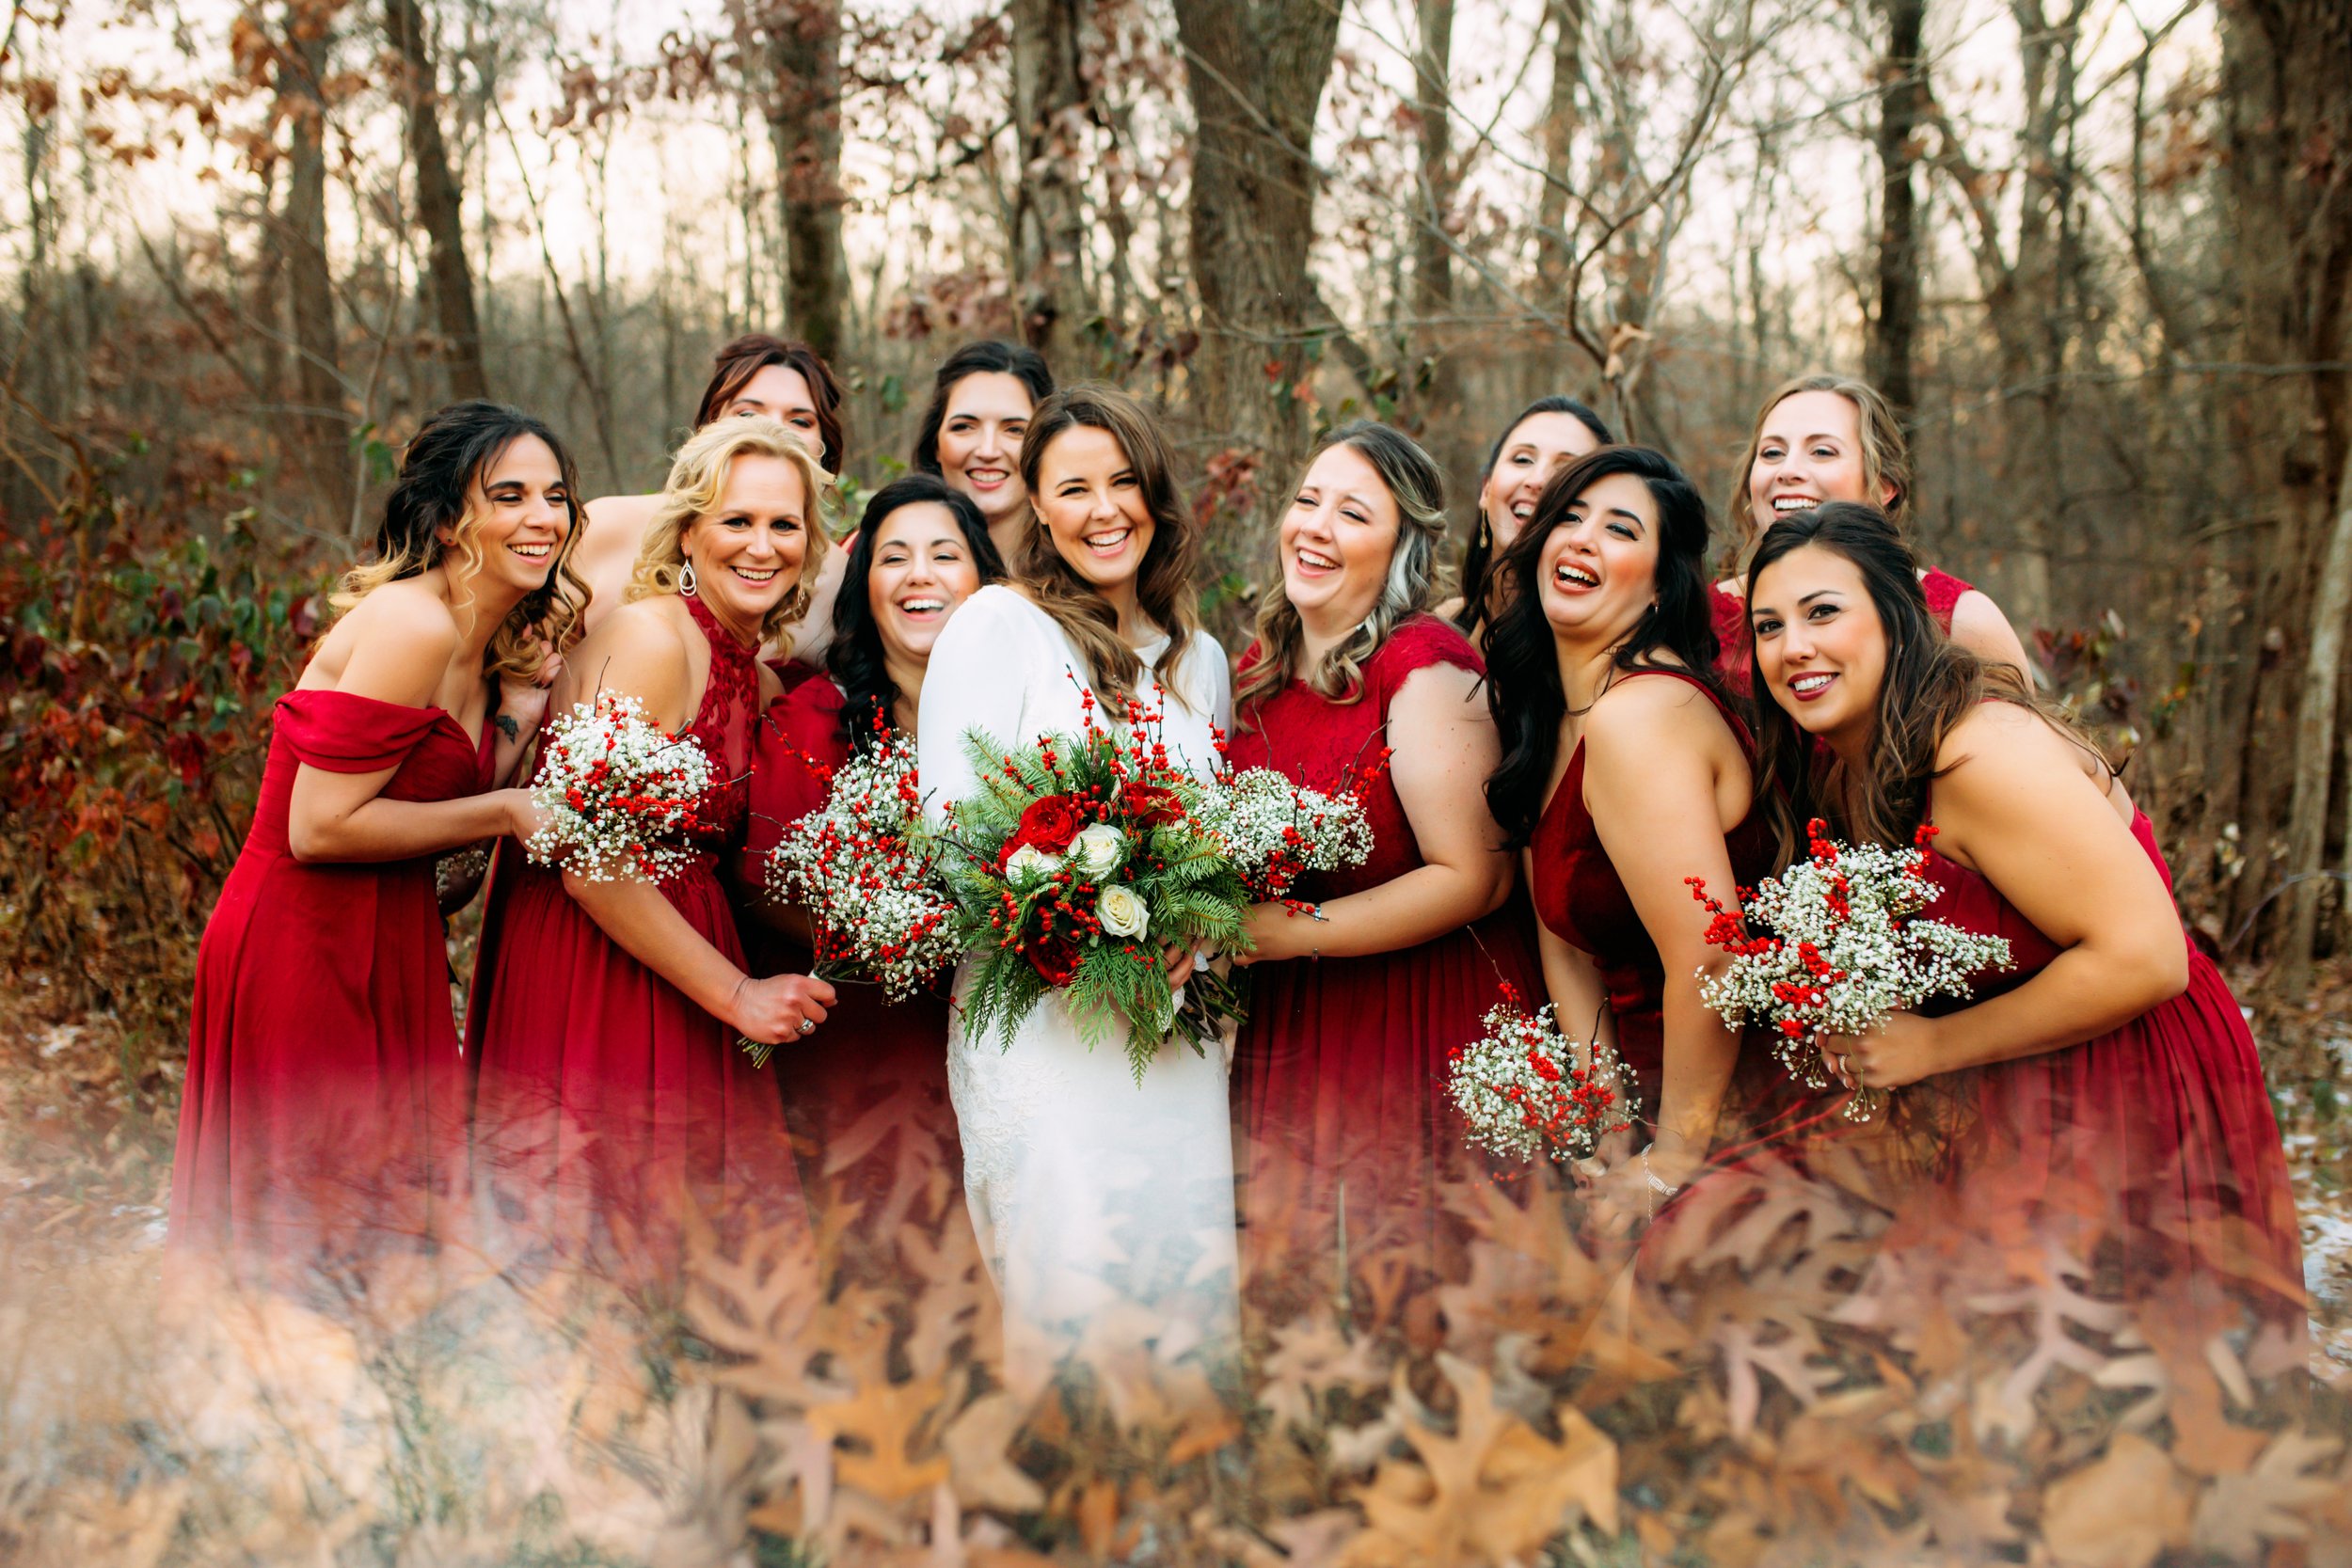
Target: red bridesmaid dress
(2158, 1133)
(606, 1103)
(867, 1095)
(1579, 896)
(1732, 632)
(323, 1107)
(1339, 1074)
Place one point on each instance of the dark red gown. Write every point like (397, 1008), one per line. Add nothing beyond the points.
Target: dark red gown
(1340, 1071)
(866, 1096)
(2158, 1134)
(1942, 589)
(324, 1109)
(606, 1103)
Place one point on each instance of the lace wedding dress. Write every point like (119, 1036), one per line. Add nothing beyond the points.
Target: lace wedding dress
(1102, 1206)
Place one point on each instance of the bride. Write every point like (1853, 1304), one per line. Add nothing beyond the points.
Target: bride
(1092, 1196)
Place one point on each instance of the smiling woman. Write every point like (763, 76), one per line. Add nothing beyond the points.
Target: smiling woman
(982, 400)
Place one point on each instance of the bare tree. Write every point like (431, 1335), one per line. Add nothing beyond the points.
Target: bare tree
(804, 121)
(440, 202)
(301, 68)
(1053, 111)
(1903, 97)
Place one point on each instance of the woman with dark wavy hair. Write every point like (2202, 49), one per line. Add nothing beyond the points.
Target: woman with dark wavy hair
(2117, 1089)
(1079, 1184)
(920, 551)
(982, 400)
(324, 1100)
(1624, 773)
(1548, 433)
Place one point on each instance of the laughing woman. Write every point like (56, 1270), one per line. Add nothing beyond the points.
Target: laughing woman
(2116, 1088)
(324, 1100)
(1549, 433)
(1339, 1073)
(611, 1090)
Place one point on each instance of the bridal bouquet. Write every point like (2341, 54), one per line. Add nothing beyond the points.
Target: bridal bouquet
(866, 870)
(1528, 1091)
(619, 791)
(1078, 861)
(1275, 832)
(1842, 946)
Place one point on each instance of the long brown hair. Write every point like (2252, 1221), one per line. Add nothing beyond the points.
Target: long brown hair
(734, 364)
(1885, 452)
(1931, 684)
(1165, 591)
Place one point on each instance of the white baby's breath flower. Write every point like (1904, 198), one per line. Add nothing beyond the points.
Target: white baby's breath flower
(1099, 850)
(1121, 912)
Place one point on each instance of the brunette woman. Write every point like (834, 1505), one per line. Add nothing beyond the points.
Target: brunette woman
(1624, 772)
(2116, 1087)
(606, 1014)
(921, 550)
(1822, 439)
(323, 1095)
(755, 377)
(1339, 1073)
(982, 401)
(1084, 1188)
(1549, 434)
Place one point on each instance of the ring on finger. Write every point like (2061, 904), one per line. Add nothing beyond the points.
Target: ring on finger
(808, 1026)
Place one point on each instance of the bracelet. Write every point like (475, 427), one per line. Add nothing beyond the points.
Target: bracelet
(1658, 1186)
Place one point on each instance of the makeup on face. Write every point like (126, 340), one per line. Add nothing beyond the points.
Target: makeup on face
(1596, 572)
(1090, 500)
(1819, 643)
(1809, 451)
(921, 570)
(747, 550)
(1538, 447)
(782, 394)
(979, 440)
(1339, 537)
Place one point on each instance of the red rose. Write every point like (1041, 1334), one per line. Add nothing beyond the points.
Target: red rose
(1055, 958)
(1153, 807)
(1049, 824)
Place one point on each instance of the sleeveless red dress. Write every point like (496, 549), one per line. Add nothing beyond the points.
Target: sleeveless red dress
(324, 1109)
(1579, 896)
(1339, 1073)
(870, 1089)
(2159, 1132)
(1942, 589)
(605, 1100)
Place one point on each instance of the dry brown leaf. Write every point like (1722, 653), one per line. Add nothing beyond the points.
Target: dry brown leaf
(2270, 1501)
(1312, 1355)
(2120, 1511)
(978, 1467)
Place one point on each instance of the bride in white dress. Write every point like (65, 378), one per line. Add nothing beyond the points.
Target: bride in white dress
(1102, 1206)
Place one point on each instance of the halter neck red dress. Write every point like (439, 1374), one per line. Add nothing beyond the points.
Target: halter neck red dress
(2160, 1132)
(1579, 896)
(1339, 1073)
(868, 1093)
(1732, 632)
(606, 1101)
(324, 1108)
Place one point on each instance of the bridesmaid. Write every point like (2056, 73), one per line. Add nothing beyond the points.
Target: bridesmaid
(1550, 431)
(1624, 772)
(1831, 438)
(981, 403)
(323, 1088)
(921, 550)
(1339, 1073)
(2112, 1063)
(756, 374)
(606, 1015)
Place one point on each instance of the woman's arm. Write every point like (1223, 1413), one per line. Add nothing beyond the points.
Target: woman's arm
(1444, 747)
(1580, 1003)
(2018, 806)
(1978, 625)
(1656, 756)
(401, 654)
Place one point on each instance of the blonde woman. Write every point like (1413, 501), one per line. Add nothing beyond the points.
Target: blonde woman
(606, 1015)
(323, 1097)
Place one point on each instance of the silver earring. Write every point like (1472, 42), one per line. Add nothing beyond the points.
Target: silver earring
(686, 580)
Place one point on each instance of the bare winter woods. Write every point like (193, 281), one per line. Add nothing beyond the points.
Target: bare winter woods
(2099, 251)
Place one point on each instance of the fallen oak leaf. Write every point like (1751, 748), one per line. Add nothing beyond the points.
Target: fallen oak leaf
(2122, 1511)
(2239, 1512)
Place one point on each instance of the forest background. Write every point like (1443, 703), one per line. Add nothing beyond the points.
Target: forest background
(2098, 251)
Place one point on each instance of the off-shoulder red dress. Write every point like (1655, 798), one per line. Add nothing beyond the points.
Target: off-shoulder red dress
(324, 1108)
(870, 1089)
(605, 1100)
(1339, 1073)
(1732, 632)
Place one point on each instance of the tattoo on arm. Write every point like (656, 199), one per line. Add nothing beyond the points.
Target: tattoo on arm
(508, 728)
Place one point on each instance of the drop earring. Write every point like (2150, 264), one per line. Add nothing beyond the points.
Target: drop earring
(686, 580)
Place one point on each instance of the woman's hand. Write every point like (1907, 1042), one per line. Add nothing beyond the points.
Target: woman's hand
(1179, 962)
(1278, 932)
(781, 1009)
(1903, 1048)
(522, 814)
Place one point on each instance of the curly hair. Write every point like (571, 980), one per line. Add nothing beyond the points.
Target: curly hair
(698, 477)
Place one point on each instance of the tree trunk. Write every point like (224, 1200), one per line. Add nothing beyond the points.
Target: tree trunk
(2315, 743)
(805, 119)
(1050, 106)
(318, 378)
(1902, 93)
(1436, 384)
(1255, 71)
(1552, 246)
(439, 203)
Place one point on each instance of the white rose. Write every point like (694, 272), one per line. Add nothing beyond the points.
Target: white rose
(1121, 912)
(1099, 850)
(1030, 863)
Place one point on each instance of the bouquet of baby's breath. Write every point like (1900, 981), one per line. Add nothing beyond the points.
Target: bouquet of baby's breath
(866, 872)
(1078, 861)
(1276, 832)
(1836, 944)
(620, 793)
(1527, 1091)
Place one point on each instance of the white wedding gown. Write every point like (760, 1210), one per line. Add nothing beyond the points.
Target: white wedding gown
(1093, 1196)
